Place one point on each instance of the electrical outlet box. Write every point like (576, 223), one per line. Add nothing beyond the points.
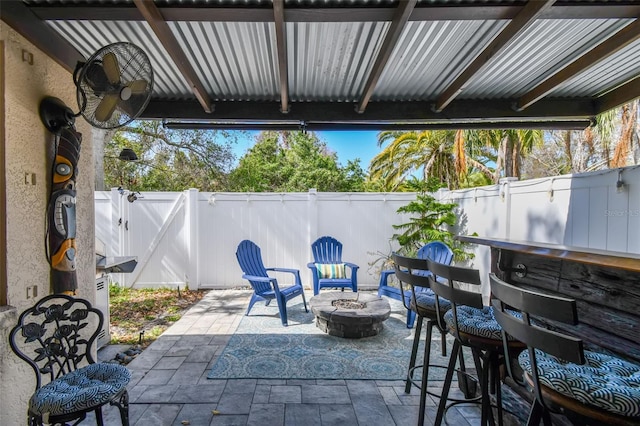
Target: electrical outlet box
(32, 291)
(29, 178)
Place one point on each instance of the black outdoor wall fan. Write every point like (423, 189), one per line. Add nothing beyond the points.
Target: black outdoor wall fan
(113, 88)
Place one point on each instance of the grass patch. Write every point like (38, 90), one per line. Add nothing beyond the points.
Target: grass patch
(152, 311)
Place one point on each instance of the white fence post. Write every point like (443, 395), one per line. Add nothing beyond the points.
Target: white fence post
(312, 216)
(115, 236)
(505, 195)
(193, 279)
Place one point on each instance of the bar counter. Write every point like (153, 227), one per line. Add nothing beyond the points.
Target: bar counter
(605, 285)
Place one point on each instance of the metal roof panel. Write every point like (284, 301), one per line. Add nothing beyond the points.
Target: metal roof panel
(428, 53)
(545, 48)
(331, 61)
(234, 60)
(615, 70)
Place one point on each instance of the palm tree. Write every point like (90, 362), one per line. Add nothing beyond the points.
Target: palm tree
(407, 153)
(512, 145)
(457, 158)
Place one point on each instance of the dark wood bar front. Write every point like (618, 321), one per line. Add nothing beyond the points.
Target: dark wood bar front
(605, 285)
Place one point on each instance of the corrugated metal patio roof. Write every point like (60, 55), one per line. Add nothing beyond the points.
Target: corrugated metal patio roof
(359, 63)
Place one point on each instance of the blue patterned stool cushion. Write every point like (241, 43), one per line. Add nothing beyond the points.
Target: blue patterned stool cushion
(477, 322)
(604, 381)
(81, 389)
(426, 299)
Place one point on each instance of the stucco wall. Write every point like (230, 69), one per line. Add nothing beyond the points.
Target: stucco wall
(29, 149)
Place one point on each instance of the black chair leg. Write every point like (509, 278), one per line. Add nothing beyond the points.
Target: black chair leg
(425, 373)
(536, 413)
(99, 420)
(466, 384)
(495, 366)
(447, 382)
(414, 353)
(486, 378)
(123, 406)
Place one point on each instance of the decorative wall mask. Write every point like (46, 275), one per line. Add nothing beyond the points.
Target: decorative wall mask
(61, 214)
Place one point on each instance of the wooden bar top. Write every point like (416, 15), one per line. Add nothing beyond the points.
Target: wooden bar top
(618, 260)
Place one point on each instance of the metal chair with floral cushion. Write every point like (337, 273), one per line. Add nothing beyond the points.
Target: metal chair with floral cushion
(55, 338)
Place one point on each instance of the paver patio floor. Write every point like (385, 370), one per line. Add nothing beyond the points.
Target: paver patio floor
(170, 385)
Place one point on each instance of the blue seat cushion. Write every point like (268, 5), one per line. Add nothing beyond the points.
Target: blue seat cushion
(426, 299)
(604, 381)
(477, 322)
(85, 388)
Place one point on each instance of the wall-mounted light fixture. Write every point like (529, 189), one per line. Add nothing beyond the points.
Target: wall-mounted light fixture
(127, 154)
(619, 182)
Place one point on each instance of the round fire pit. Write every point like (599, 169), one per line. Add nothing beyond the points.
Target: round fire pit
(350, 315)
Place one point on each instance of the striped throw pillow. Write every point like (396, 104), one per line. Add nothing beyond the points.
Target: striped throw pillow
(331, 270)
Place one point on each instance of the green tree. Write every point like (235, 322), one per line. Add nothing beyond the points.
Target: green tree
(169, 160)
(611, 142)
(430, 220)
(294, 162)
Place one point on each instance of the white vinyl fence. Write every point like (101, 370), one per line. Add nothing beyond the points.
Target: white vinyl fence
(191, 237)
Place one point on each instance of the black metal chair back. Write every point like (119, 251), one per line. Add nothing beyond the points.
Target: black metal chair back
(457, 296)
(52, 338)
(507, 299)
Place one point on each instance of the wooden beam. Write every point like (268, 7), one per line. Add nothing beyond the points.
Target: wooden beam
(3, 186)
(281, 49)
(613, 44)
(365, 126)
(19, 17)
(159, 26)
(618, 97)
(422, 12)
(459, 111)
(398, 23)
(529, 13)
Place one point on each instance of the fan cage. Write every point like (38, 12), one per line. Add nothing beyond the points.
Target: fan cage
(134, 64)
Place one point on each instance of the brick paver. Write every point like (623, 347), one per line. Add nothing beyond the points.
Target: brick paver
(170, 385)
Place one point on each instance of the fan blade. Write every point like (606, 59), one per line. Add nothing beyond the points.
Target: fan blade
(111, 67)
(106, 107)
(137, 86)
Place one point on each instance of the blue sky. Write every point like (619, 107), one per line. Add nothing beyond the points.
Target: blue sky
(349, 145)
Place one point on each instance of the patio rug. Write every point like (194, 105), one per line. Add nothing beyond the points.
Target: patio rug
(262, 348)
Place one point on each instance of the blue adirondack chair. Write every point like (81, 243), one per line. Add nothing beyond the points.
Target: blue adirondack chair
(436, 251)
(265, 287)
(328, 268)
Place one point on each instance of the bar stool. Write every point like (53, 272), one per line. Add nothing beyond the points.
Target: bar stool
(435, 250)
(587, 387)
(472, 325)
(411, 271)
